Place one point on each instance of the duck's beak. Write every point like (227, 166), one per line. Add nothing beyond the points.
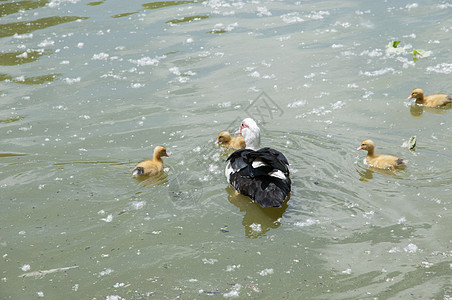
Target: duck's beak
(410, 97)
(359, 148)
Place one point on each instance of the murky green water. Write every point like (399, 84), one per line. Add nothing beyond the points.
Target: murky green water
(89, 88)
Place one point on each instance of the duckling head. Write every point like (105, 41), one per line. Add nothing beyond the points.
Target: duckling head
(160, 151)
(417, 94)
(367, 145)
(223, 137)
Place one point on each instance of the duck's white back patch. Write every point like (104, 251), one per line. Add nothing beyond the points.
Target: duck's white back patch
(228, 171)
(278, 174)
(256, 164)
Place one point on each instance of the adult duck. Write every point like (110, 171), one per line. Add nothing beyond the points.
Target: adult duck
(151, 166)
(231, 142)
(435, 100)
(262, 175)
(381, 161)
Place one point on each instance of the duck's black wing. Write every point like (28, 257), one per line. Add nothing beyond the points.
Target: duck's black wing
(263, 175)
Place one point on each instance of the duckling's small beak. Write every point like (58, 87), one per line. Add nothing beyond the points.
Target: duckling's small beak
(359, 148)
(410, 97)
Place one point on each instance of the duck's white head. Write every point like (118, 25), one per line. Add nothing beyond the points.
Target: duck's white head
(251, 133)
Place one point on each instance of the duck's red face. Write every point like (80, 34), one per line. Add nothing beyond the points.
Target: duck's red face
(242, 126)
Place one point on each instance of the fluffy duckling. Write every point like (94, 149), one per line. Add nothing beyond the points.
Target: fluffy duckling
(232, 142)
(435, 100)
(382, 161)
(151, 166)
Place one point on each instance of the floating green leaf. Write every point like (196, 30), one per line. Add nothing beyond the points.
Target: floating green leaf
(394, 44)
(96, 3)
(9, 8)
(215, 31)
(412, 142)
(10, 29)
(11, 154)
(30, 80)
(12, 119)
(392, 47)
(419, 54)
(161, 4)
(187, 19)
(21, 57)
(123, 15)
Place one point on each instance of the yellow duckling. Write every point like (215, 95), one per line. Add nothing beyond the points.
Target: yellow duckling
(232, 142)
(382, 161)
(151, 166)
(435, 100)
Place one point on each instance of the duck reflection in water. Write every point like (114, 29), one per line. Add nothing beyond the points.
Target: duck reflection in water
(367, 173)
(416, 110)
(159, 179)
(257, 220)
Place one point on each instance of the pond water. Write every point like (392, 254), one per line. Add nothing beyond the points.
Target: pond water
(88, 89)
